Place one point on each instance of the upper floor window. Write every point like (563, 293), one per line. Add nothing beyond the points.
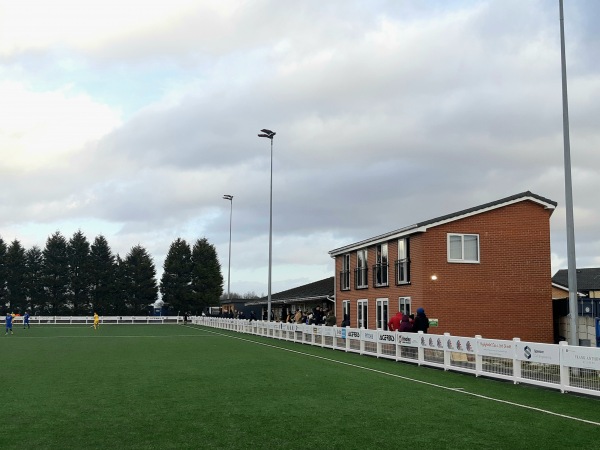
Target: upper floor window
(345, 273)
(404, 305)
(403, 262)
(380, 270)
(463, 248)
(360, 276)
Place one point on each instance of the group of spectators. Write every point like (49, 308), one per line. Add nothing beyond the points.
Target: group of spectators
(409, 323)
(315, 317)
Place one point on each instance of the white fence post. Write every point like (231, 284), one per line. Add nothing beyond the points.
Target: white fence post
(447, 354)
(516, 363)
(478, 357)
(420, 351)
(564, 369)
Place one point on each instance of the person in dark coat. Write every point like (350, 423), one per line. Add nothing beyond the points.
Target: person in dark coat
(421, 322)
(405, 325)
(346, 321)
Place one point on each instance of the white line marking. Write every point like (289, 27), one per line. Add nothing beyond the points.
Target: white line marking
(457, 390)
(118, 336)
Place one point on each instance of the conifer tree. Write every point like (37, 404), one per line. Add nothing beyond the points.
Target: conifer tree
(56, 273)
(2, 273)
(79, 273)
(207, 279)
(175, 285)
(103, 278)
(141, 289)
(15, 277)
(34, 279)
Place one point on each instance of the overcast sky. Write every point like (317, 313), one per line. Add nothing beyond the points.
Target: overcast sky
(131, 119)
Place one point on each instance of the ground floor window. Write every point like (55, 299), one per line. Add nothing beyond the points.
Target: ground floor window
(362, 314)
(382, 313)
(346, 311)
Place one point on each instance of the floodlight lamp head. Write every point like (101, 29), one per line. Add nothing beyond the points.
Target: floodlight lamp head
(267, 133)
(228, 197)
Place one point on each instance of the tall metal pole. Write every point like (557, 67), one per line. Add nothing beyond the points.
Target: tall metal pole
(230, 198)
(571, 260)
(270, 236)
(270, 135)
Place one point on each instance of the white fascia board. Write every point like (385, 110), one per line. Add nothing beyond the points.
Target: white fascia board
(413, 229)
(491, 208)
(377, 240)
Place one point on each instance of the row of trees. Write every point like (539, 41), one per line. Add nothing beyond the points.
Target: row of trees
(74, 277)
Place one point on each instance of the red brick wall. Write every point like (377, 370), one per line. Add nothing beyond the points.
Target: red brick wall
(508, 294)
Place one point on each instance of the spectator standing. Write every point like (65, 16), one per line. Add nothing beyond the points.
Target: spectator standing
(298, 316)
(394, 322)
(346, 321)
(405, 325)
(330, 319)
(318, 315)
(421, 321)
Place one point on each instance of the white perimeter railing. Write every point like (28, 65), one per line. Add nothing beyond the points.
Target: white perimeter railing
(564, 367)
(87, 320)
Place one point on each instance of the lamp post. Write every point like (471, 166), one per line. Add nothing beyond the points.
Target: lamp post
(230, 198)
(270, 135)
(571, 259)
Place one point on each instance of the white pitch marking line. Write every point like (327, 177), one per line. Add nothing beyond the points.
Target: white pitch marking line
(457, 390)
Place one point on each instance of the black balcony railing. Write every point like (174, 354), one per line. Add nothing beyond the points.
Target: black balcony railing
(380, 275)
(402, 271)
(360, 278)
(345, 280)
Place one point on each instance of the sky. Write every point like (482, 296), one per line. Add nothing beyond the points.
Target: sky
(131, 119)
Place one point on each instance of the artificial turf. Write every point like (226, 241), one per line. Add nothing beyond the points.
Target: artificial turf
(175, 386)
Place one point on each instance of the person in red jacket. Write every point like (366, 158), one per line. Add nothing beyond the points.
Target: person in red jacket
(394, 323)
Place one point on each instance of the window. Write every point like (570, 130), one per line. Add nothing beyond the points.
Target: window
(404, 305)
(382, 313)
(403, 265)
(380, 270)
(360, 277)
(463, 248)
(346, 310)
(362, 314)
(345, 273)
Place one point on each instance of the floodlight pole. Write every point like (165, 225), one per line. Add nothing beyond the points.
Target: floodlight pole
(230, 198)
(269, 135)
(571, 259)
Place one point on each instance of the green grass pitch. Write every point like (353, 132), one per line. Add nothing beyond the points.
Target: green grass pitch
(175, 386)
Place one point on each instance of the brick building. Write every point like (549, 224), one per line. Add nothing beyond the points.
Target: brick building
(484, 270)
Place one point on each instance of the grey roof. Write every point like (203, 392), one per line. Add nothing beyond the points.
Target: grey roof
(422, 226)
(317, 290)
(587, 279)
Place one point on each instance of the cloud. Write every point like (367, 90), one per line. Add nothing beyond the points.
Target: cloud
(387, 113)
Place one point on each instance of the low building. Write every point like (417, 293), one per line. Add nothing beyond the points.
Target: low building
(588, 304)
(483, 270)
(305, 298)
(588, 282)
